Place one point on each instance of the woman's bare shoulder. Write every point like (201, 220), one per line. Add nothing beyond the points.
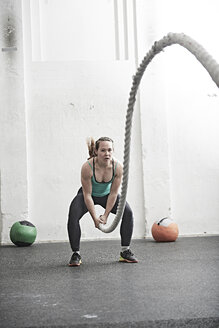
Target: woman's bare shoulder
(117, 162)
(118, 165)
(86, 169)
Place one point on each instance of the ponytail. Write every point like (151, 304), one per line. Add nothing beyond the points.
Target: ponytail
(91, 147)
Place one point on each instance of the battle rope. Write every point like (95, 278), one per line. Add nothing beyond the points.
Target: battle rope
(202, 56)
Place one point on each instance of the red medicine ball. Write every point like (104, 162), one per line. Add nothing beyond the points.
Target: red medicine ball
(165, 230)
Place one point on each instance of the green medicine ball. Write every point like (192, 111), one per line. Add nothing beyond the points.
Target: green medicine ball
(23, 233)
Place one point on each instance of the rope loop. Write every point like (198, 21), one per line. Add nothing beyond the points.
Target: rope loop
(207, 62)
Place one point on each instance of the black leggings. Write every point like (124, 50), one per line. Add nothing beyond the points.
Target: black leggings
(78, 209)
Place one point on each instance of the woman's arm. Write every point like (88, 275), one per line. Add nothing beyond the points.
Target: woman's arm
(86, 175)
(113, 193)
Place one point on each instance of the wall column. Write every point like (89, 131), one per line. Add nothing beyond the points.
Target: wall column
(13, 154)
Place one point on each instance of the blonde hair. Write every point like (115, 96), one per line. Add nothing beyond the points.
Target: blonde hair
(94, 145)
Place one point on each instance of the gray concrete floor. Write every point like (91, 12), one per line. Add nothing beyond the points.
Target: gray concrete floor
(173, 285)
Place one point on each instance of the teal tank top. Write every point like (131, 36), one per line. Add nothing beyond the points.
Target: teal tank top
(100, 189)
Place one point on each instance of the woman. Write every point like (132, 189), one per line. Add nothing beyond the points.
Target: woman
(101, 177)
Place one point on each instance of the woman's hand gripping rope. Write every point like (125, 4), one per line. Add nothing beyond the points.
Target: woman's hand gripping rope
(101, 220)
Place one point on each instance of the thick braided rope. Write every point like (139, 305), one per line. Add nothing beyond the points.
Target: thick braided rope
(202, 56)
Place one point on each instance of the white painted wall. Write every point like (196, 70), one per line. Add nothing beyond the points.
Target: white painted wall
(69, 32)
(70, 100)
(180, 113)
(193, 116)
(77, 81)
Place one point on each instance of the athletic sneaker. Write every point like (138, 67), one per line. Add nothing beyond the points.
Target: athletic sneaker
(127, 256)
(75, 260)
